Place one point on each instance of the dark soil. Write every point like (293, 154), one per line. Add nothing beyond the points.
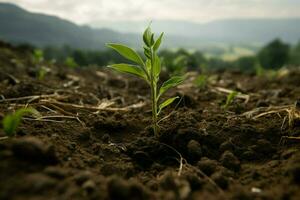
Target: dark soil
(110, 152)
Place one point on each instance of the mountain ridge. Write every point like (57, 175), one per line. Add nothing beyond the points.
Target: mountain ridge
(21, 26)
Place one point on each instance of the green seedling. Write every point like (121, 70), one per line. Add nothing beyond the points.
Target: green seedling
(12, 121)
(38, 56)
(148, 70)
(42, 72)
(201, 81)
(230, 97)
(70, 62)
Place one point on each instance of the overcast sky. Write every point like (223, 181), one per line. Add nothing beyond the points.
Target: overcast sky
(86, 11)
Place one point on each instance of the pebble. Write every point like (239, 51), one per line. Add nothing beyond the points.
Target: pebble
(89, 186)
(207, 166)
(230, 161)
(194, 149)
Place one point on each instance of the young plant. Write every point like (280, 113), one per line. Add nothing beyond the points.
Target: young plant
(148, 70)
(201, 81)
(230, 97)
(12, 121)
(70, 62)
(38, 58)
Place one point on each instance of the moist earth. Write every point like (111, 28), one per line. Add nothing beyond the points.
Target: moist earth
(95, 141)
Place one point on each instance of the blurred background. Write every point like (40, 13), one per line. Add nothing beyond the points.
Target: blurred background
(199, 35)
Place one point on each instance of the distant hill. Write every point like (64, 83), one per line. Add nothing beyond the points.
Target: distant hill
(225, 31)
(18, 26)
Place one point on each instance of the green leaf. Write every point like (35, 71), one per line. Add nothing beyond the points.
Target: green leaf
(158, 42)
(127, 52)
(156, 66)
(166, 103)
(9, 125)
(147, 36)
(230, 98)
(130, 69)
(152, 39)
(172, 82)
(12, 121)
(147, 52)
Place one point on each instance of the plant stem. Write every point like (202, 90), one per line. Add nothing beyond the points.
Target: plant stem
(154, 96)
(154, 108)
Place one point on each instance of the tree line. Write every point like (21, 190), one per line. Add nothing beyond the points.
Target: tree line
(273, 55)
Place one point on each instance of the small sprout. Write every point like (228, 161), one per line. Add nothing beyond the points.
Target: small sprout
(70, 62)
(38, 56)
(148, 70)
(42, 72)
(12, 121)
(230, 97)
(201, 81)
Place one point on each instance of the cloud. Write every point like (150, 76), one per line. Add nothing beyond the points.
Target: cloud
(86, 11)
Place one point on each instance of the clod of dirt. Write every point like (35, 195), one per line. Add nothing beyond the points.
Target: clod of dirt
(105, 138)
(220, 179)
(33, 149)
(194, 150)
(288, 153)
(226, 146)
(178, 186)
(293, 169)
(38, 183)
(123, 169)
(195, 179)
(89, 186)
(142, 158)
(230, 161)
(263, 146)
(207, 166)
(181, 137)
(120, 189)
(248, 155)
(109, 124)
(84, 135)
(56, 172)
(82, 177)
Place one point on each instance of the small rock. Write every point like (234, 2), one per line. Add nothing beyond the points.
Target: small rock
(194, 180)
(180, 186)
(142, 158)
(288, 153)
(194, 150)
(230, 161)
(105, 138)
(220, 179)
(207, 166)
(82, 177)
(89, 186)
(293, 168)
(71, 146)
(248, 155)
(84, 136)
(255, 174)
(226, 146)
(56, 172)
(39, 183)
(121, 189)
(263, 147)
(33, 149)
